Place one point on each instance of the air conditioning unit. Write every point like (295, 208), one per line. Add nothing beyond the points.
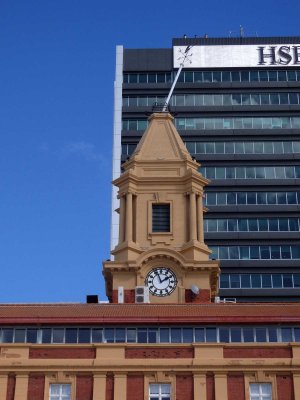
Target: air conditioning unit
(229, 300)
(225, 300)
(141, 294)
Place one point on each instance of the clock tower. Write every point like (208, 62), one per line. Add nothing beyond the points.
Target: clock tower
(161, 256)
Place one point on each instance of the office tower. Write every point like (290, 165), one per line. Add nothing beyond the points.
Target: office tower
(237, 108)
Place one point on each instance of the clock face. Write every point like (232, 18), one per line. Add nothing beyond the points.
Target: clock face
(161, 281)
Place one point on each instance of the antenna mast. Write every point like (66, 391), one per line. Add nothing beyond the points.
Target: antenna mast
(185, 56)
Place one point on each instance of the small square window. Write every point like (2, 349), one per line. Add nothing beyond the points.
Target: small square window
(260, 391)
(60, 391)
(160, 391)
(161, 218)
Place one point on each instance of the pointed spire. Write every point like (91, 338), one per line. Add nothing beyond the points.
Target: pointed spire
(161, 141)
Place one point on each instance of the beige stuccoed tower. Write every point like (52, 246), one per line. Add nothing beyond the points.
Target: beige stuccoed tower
(161, 239)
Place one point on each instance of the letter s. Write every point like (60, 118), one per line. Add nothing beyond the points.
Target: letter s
(284, 53)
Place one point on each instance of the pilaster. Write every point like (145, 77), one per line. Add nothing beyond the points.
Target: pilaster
(193, 218)
(3, 386)
(99, 389)
(221, 386)
(199, 386)
(296, 379)
(122, 220)
(128, 235)
(21, 387)
(200, 218)
(120, 386)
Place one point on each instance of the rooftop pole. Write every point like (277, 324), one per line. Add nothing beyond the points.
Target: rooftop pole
(184, 57)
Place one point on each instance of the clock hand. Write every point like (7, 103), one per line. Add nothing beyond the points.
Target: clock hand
(167, 277)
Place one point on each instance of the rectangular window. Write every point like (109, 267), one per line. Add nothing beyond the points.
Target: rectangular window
(256, 281)
(245, 281)
(161, 218)
(266, 281)
(97, 335)
(160, 391)
(261, 334)
(60, 391)
(71, 335)
(260, 391)
(187, 335)
(120, 335)
(7, 335)
(46, 335)
(175, 335)
(31, 335)
(224, 281)
(20, 335)
(142, 335)
(199, 335)
(296, 280)
(224, 335)
(273, 335)
(286, 335)
(58, 335)
(281, 76)
(211, 335)
(236, 335)
(248, 335)
(235, 281)
(84, 335)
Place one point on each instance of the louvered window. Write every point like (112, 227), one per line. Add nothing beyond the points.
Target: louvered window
(160, 217)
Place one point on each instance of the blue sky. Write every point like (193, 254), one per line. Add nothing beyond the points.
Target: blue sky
(56, 112)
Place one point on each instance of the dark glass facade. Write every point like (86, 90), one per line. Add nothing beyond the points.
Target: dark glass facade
(243, 126)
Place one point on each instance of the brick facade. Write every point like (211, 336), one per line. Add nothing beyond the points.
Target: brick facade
(160, 352)
(285, 388)
(36, 387)
(236, 387)
(210, 387)
(129, 296)
(109, 387)
(135, 384)
(257, 352)
(184, 387)
(11, 384)
(203, 297)
(84, 387)
(135, 387)
(57, 353)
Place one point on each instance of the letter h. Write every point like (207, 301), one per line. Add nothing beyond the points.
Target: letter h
(263, 56)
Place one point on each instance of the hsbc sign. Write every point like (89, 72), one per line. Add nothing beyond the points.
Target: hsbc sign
(279, 55)
(235, 56)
